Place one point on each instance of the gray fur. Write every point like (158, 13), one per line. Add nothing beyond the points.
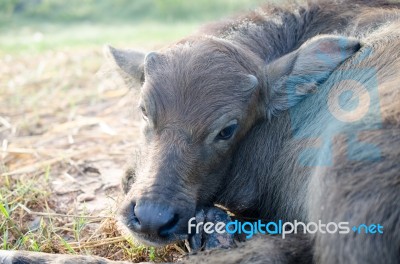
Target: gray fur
(24, 257)
(196, 88)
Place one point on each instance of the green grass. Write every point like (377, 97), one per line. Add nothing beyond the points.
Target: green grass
(43, 37)
(28, 27)
(116, 11)
(12, 193)
(51, 234)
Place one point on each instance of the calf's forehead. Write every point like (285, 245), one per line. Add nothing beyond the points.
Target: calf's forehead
(194, 89)
(196, 105)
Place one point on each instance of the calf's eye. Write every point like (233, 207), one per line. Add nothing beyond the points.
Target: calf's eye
(227, 132)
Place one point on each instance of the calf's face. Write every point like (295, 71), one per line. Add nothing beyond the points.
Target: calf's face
(198, 100)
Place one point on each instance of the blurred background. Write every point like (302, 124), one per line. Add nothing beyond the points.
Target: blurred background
(68, 125)
(39, 25)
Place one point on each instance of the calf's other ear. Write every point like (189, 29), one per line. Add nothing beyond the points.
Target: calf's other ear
(129, 63)
(291, 77)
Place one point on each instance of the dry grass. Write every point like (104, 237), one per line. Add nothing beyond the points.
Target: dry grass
(65, 134)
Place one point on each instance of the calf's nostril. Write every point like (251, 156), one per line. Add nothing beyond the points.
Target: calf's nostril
(167, 229)
(133, 220)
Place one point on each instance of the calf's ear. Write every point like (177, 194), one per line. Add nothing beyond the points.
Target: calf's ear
(129, 63)
(291, 77)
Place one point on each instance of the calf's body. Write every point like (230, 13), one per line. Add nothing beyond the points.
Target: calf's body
(302, 150)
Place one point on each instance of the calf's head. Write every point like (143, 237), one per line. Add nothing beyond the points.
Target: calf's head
(198, 100)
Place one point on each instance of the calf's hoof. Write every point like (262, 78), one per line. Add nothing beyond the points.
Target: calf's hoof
(207, 241)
